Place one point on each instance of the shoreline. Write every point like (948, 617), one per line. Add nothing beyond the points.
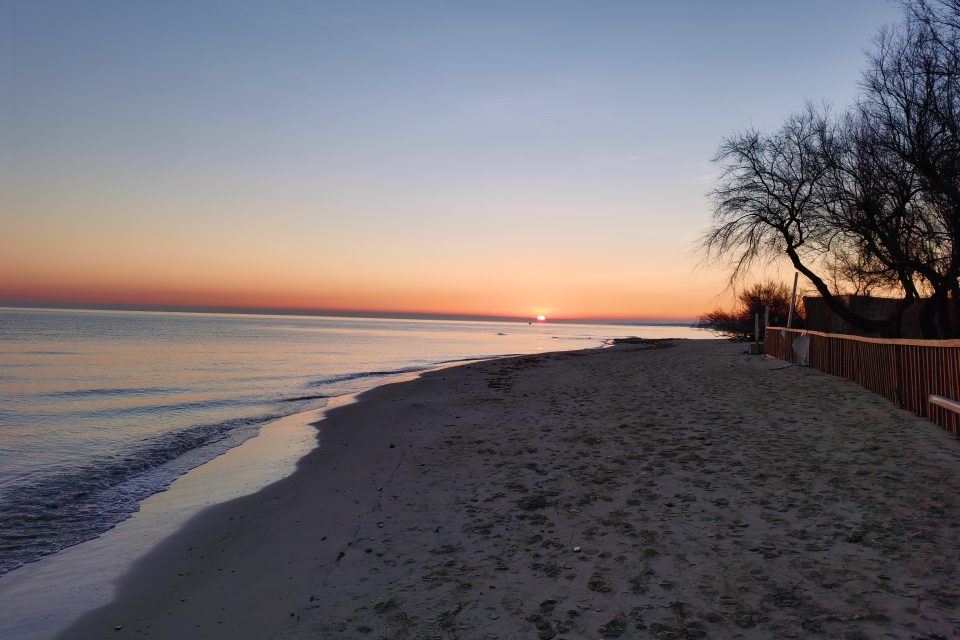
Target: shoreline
(80, 455)
(45, 596)
(680, 488)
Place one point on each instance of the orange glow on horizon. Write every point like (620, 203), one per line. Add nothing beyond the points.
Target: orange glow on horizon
(339, 302)
(225, 269)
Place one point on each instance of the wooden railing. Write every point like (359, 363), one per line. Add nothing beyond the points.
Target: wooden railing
(907, 372)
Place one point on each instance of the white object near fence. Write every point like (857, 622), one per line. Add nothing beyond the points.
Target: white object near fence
(801, 350)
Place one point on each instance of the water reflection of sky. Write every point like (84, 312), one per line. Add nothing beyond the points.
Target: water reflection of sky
(70, 380)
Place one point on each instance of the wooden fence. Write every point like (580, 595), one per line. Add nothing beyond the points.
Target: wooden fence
(907, 372)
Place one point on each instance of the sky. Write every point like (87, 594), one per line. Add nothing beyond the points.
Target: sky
(484, 158)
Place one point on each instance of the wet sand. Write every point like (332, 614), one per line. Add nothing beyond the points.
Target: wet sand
(665, 490)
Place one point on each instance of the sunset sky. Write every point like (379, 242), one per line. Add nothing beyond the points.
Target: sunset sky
(496, 158)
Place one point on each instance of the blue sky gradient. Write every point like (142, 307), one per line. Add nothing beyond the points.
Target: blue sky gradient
(396, 151)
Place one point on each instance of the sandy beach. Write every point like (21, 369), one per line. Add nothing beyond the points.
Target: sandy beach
(677, 489)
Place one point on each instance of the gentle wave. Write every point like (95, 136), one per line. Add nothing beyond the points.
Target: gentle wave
(50, 353)
(366, 374)
(59, 510)
(155, 409)
(44, 513)
(478, 358)
(317, 396)
(114, 391)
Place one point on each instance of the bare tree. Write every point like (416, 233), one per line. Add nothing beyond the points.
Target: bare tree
(760, 298)
(770, 202)
(869, 201)
(878, 233)
(912, 106)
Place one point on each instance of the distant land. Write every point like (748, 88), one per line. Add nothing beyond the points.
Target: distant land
(14, 304)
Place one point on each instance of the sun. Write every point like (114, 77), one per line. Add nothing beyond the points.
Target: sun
(541, 318)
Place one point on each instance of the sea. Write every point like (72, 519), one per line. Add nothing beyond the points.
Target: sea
(101, 409)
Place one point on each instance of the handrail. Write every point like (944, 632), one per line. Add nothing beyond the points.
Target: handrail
(945, 403)
(912, 342)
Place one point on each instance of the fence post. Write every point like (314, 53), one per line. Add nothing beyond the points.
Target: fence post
(793, 299)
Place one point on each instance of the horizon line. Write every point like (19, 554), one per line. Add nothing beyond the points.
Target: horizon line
(335, 313)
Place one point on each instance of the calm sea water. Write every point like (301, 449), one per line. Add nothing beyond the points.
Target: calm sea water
(99, 410)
